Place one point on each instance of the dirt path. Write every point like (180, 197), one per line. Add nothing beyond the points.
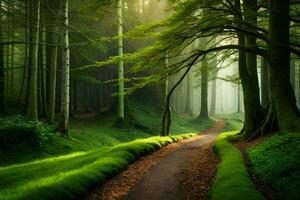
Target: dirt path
(179, 171)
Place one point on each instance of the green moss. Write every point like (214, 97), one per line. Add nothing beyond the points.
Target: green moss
(232, 179)
(276, 162)
(70, 176)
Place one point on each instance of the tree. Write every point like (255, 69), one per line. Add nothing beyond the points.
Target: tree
(204, 91)
(52, 71)
(213, 92)
(264, 82)
(283, 111)
(2, 81)
(248, 71)
(32, 113)
(189, 95)
(65, 112)
(121, 112)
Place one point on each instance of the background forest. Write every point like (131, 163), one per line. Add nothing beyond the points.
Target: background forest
(93, 82)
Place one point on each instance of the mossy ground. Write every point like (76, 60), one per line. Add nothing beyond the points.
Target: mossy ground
(70, 176)
(276, 162)
(232, 181)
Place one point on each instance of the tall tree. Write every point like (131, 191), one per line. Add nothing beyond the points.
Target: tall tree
(283, 109)
(2, 81)
(204, 91)
(264, 82)
(65, 112)
(53, 69)
(32, 113)
(213, 92)
(254, 113)
(121, 112)
(189, 93)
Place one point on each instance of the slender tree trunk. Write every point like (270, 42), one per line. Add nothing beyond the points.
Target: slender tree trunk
(204, 91)
(189, 90)
(32, 113)
(64, 128)
(239, 110)
(52, 76)
(264, 83)
(213, 93)
(121, 112)
(2, 81)
(166, 117)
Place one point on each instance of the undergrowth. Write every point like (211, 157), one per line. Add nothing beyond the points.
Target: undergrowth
(276, 162)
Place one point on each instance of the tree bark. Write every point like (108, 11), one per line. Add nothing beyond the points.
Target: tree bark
(121, 112)
(213, 93)
(2, 81)
(64, 127)
(204, 91)
(254, 113)
(282, 97)
(32, 113)
(52, 75)
(189, 95)
(264, 83)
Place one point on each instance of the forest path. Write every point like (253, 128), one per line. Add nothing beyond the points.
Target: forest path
(179, 171)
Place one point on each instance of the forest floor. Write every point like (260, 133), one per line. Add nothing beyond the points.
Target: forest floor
(183, 170)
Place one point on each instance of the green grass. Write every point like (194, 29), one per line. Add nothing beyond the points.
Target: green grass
(70, 176)
(233, 121)
(89, 134)
(276, 162)
(232, 180)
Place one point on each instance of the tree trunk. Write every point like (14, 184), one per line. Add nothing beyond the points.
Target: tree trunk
(239, 110)
(213, 93)
(2, 80)
(282, 96)
(254, 113)
(204, 90)
(32, 113)
(264, 82)
(166, 117)
(121, 112)
(64, 128)
(189, 95)
(52, 76)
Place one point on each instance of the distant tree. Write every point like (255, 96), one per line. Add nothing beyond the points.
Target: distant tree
(65, 112)
(53, 66)
(264, 82)
(204, 90)
(32, 113)
(121, 108)
(2, 81)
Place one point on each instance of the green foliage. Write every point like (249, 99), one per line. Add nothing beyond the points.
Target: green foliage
(16, 130)
(232, 180)
(70, 176)
(276, 162)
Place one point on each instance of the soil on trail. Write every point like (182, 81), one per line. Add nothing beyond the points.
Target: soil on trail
(184, 170)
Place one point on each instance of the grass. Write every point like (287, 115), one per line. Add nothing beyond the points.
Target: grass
(70, 176)
(94, 133)
(234, 121)
(276, 162)
(232, 180)
(68, 168)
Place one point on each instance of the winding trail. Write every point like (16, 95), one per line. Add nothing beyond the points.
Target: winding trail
(181, 171)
